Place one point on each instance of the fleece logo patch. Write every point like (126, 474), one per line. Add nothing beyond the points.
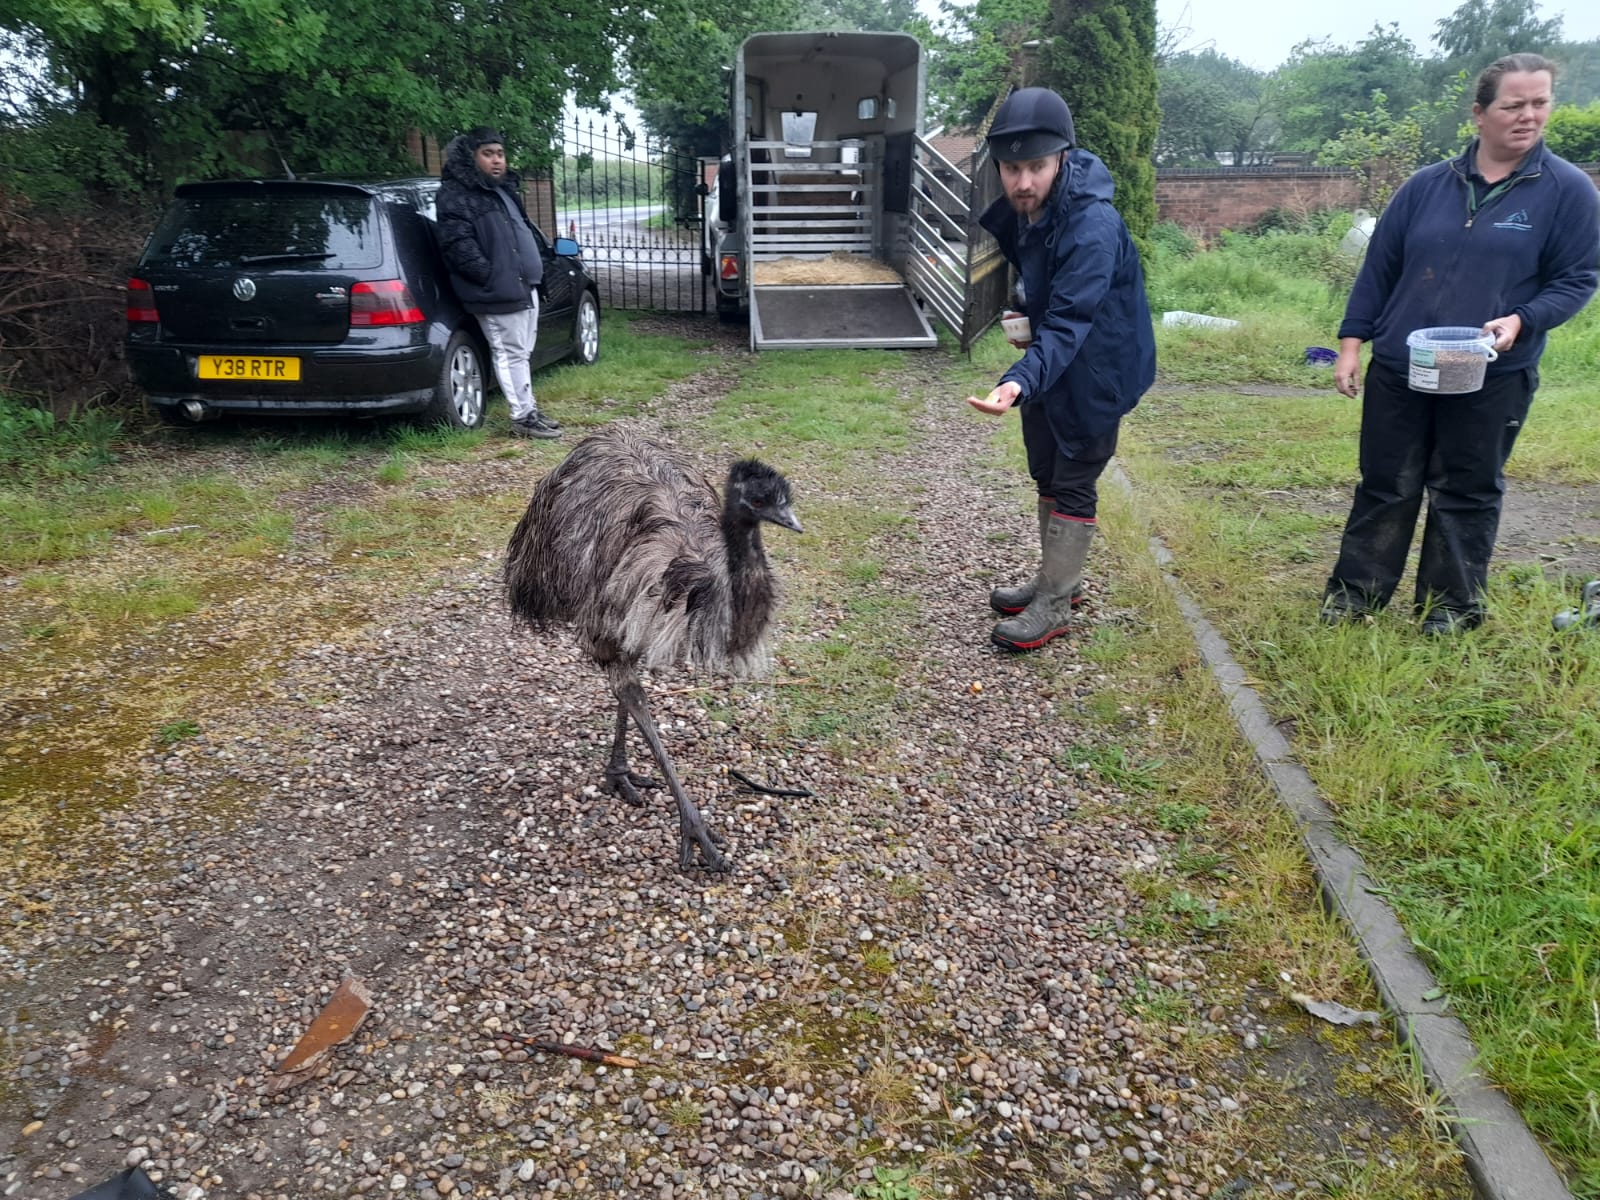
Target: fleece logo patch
(1517, 220)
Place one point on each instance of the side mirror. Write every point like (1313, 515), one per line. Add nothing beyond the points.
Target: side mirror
(701, 189)
(568, 247)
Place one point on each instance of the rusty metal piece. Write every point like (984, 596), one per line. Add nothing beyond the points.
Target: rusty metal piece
(334, 1025)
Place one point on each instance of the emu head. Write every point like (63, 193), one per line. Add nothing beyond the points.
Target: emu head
(758, 493)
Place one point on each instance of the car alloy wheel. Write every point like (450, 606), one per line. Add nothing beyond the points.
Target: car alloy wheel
(466, 385)
(458, 392)
(586, 339)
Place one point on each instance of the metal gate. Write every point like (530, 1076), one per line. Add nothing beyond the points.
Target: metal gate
(956, 267)
(636, 206)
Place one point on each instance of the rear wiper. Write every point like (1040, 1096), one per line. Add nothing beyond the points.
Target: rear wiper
(292, 256)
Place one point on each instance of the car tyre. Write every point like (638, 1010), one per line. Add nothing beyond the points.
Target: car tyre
(459, 396)
(586, 331)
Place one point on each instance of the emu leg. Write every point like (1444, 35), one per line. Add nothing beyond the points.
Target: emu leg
(619, 778)
(692, 829)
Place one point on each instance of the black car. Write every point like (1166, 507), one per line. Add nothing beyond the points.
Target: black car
(317, 298)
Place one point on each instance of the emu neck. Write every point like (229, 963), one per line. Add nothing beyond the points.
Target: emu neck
(742, 537)
(749, 582)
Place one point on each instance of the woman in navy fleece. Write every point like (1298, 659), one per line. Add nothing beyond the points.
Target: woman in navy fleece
(1505, 237)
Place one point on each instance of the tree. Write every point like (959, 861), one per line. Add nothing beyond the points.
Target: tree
(193, 87)
(1577, 71)
(1384, 150)
(1210, 106)
(1100, 55)
(888, 16)
(1322, 82)
(1480, 31)
(977, 55)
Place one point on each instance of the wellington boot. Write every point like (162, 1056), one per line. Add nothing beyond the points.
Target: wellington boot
(1012, 600)
(1049, 615)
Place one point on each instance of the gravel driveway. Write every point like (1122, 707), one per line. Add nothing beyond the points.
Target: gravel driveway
(927, 965)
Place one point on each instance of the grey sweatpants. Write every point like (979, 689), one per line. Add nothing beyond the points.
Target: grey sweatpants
(511, 338)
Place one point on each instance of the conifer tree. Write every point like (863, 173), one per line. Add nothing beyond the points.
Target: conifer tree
(1100, 56)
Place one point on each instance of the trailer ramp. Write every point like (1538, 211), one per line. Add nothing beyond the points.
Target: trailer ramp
(816, 316)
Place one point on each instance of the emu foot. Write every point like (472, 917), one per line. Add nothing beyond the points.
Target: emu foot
(623, 782)
(708, 844)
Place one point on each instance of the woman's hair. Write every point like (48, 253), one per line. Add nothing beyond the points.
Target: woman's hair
(1488, 86)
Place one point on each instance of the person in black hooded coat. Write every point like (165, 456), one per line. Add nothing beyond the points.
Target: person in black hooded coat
(495, 264)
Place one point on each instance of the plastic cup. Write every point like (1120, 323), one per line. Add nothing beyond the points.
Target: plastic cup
(1017, 326)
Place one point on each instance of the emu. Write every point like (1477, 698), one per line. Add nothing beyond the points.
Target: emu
(631, 546)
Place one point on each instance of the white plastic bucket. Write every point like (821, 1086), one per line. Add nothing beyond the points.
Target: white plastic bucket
(1449, 359)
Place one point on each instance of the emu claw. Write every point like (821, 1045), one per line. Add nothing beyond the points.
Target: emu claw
(712, 861)
(628, 785)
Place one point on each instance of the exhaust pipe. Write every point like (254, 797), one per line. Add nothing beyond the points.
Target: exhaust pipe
(194, 410)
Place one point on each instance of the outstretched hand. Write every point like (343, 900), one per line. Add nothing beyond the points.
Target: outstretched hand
(997, 401)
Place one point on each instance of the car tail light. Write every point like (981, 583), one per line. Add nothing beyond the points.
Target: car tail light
(141, 303)
(386, 302)
(730, 266)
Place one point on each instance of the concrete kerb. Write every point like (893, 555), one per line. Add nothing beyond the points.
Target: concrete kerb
(1504, 1160)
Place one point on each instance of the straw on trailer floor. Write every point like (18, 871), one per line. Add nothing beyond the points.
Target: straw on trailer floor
(838, 267)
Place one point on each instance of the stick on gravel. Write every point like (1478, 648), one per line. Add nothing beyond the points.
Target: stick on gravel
(583, 1052)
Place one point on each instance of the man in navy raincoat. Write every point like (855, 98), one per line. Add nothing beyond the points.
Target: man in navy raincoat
(1091, 352)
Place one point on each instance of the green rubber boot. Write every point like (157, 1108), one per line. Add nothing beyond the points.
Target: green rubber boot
(1049, 614)
(1012, 600)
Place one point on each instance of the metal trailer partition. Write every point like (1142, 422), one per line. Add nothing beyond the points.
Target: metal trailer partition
(956, 267)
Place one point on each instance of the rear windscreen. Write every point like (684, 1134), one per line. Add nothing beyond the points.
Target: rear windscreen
(283, 230)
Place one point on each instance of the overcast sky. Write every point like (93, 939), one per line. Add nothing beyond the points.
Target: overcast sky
(1261, 33)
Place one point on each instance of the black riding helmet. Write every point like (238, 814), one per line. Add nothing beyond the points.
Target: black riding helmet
(1032, 122)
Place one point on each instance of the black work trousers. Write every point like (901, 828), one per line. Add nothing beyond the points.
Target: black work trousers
(1069, 481)
(1454, 446)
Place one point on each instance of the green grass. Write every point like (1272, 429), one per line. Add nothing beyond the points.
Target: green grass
(177, 731)
(64, 494)
(1463, 771)
(36, 446)
(833, 402)
(633, 367)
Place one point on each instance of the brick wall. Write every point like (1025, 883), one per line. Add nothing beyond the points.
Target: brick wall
(1206, 201)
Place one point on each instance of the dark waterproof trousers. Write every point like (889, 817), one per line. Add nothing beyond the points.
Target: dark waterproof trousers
(1068, 480)
(1454, 446)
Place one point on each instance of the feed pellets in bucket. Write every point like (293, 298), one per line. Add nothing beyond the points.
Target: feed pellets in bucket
(1449, 359)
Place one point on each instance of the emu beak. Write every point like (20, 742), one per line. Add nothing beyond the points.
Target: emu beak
(785, 517)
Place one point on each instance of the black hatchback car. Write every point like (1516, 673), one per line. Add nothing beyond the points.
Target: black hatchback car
(300, 297)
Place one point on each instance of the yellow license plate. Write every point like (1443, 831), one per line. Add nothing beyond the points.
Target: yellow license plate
(249, 370)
